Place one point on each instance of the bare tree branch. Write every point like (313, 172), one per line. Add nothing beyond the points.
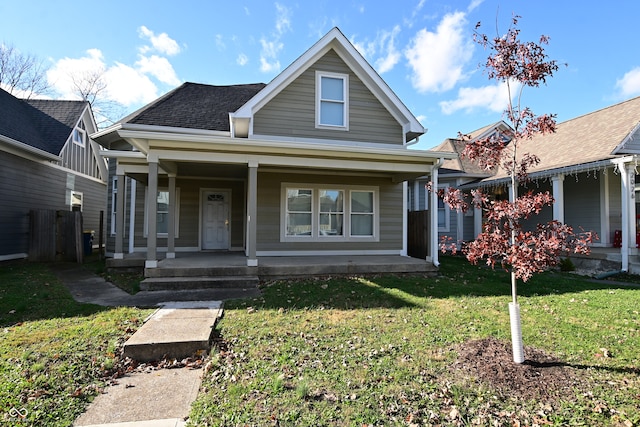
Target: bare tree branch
(21, 74)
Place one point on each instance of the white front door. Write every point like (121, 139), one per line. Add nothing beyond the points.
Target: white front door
(215, 220)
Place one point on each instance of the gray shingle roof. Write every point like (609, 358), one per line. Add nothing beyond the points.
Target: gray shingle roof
(43, 124)
(196, 106)
(584, 139)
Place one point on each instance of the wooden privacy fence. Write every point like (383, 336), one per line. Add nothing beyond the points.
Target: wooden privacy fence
(419, 235)
(55, 236)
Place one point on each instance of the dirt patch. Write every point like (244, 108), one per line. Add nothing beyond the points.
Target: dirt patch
(541, 377)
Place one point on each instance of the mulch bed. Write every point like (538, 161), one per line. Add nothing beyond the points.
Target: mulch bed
(541, 377)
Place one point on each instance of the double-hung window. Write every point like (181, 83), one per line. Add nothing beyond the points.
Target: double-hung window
(332, 103)
(319, 213)
(162, 213)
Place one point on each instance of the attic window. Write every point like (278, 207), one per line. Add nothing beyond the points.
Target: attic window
(79, 135)
(332, 102)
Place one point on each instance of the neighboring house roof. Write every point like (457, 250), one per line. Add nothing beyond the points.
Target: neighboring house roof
(584, 140)
(462, 165)
(195, 106)
(42, 124)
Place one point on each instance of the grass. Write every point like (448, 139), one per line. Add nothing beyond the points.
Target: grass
(53, 350)
(338, 352)
(128, 281)
(378, 351)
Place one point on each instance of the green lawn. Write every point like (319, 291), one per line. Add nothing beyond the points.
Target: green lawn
(54, 352)
(379, 352)
(341, 352)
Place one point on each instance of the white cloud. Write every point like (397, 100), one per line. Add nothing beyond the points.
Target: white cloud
(283, 19)
(125, 85)
(384, 45)
(159, 67)
(60, 75)
(129, 86)
(474, 4)
(271, 48)
(437, 58)
(493, 97)
(392, 55)
(242, 59)
(220, 42)
(161, 42)
(629, 84)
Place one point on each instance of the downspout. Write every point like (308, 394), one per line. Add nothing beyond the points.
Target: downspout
(433, 212)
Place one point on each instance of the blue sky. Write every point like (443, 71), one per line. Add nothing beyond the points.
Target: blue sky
(422, 48)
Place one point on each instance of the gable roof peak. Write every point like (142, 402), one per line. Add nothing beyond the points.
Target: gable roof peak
(337, 41)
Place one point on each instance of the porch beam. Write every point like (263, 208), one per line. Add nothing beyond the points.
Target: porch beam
(152, 217)
(252, 214)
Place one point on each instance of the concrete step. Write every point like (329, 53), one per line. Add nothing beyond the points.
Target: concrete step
(199, 271)
(204, 282)
(177, 330)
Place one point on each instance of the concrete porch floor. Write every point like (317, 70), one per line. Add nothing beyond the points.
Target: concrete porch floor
(235, 264)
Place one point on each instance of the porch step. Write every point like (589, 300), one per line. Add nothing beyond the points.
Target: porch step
(177, 330)
(190, 271)
(198, 282)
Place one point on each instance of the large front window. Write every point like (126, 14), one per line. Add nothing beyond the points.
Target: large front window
(317, 212)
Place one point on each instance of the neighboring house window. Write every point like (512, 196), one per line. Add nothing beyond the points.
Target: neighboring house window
(79, 134)
(314, 212)
(76, 201)
(114, 200)
(162, 213)
(444, 212)
(332, 104)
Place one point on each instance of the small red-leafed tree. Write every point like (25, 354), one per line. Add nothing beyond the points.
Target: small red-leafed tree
(503, 241)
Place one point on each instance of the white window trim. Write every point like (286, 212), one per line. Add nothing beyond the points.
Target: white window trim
(315, 213)
(345, 87)
(73, 193)
(176, 206)
(83, 136)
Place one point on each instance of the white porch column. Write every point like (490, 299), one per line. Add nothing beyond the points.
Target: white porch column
(558, 195)
(120, 189)
(627, 188)
(152, 217)
(405, 217)
(433, 216)
(605, 226)
(477, 221)
(171, 223)
(252, 214)
(132, 216)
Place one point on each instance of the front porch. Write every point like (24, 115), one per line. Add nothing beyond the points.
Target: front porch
(221, 269)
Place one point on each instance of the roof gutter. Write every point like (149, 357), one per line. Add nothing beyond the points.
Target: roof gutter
(29, 149)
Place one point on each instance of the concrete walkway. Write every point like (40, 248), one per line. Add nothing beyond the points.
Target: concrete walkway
(153, 397)
(89, 288)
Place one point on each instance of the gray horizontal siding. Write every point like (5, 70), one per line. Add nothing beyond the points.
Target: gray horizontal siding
(189, 211)
(291, 113)
(26, 185)
(269, 213)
